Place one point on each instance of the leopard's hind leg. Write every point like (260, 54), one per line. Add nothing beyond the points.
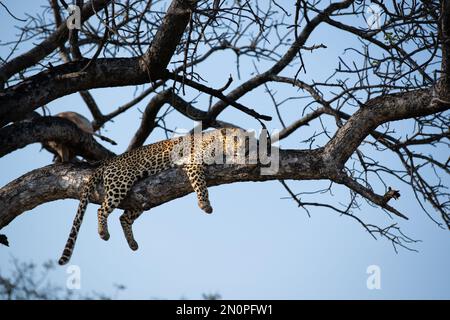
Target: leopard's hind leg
(126, 220)
(102, 215)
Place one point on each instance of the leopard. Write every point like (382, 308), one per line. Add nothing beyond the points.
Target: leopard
(192, 152)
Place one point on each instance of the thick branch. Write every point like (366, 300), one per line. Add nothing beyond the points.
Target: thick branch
(445, 42)
(47, 46)
(168, 36)
(44, 129)
(62, 181)
(65, 79)
(59, 182)
(72, 77)
(375, 112)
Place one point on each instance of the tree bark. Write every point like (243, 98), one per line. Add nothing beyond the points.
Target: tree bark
(44, 129)
(86, 74)
(61, 181)
(47, 46)
(65, 181)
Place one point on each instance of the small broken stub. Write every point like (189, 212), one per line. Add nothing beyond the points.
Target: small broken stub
(391, 194)
(4, 240)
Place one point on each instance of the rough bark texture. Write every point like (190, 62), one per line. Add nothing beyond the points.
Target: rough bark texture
(64, 181)
(47, 46)
(76, 76)
(445, 42)
(377, 111)
(43, 129)
(168, 37)
(393, 78)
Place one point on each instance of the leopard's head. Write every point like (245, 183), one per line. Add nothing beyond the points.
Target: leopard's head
(236, 143)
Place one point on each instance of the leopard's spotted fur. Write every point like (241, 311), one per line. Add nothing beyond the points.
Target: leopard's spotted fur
(120, 173)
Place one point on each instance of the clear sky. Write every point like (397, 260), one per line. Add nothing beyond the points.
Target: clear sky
(255, 245)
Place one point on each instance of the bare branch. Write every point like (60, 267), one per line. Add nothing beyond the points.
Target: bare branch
(368, 194)
(47, 46)
(46, 86)
(148, 122)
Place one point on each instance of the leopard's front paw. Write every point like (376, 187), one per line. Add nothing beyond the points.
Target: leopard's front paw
(104, 234)
(133, 245)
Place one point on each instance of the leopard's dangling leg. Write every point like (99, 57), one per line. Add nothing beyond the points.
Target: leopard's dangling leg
(115, 192)
(196, 175)
(126, 220)
(102, 215)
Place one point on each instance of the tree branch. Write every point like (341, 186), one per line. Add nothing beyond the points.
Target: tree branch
(375, 112)
(110, 72)
(368, 194)
(283, 62)
(61, 181)
(148, 122)
(47, 46)
(445, 43)
(43, 129)
(218, 94)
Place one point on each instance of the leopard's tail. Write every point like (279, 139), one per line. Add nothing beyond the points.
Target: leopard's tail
(88, 188)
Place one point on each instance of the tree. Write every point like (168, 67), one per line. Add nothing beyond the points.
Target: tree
(400, 71)
(28, 281)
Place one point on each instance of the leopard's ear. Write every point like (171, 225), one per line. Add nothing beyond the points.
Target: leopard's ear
(223, 131)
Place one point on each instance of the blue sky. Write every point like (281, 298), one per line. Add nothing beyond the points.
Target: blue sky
(256, 245)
